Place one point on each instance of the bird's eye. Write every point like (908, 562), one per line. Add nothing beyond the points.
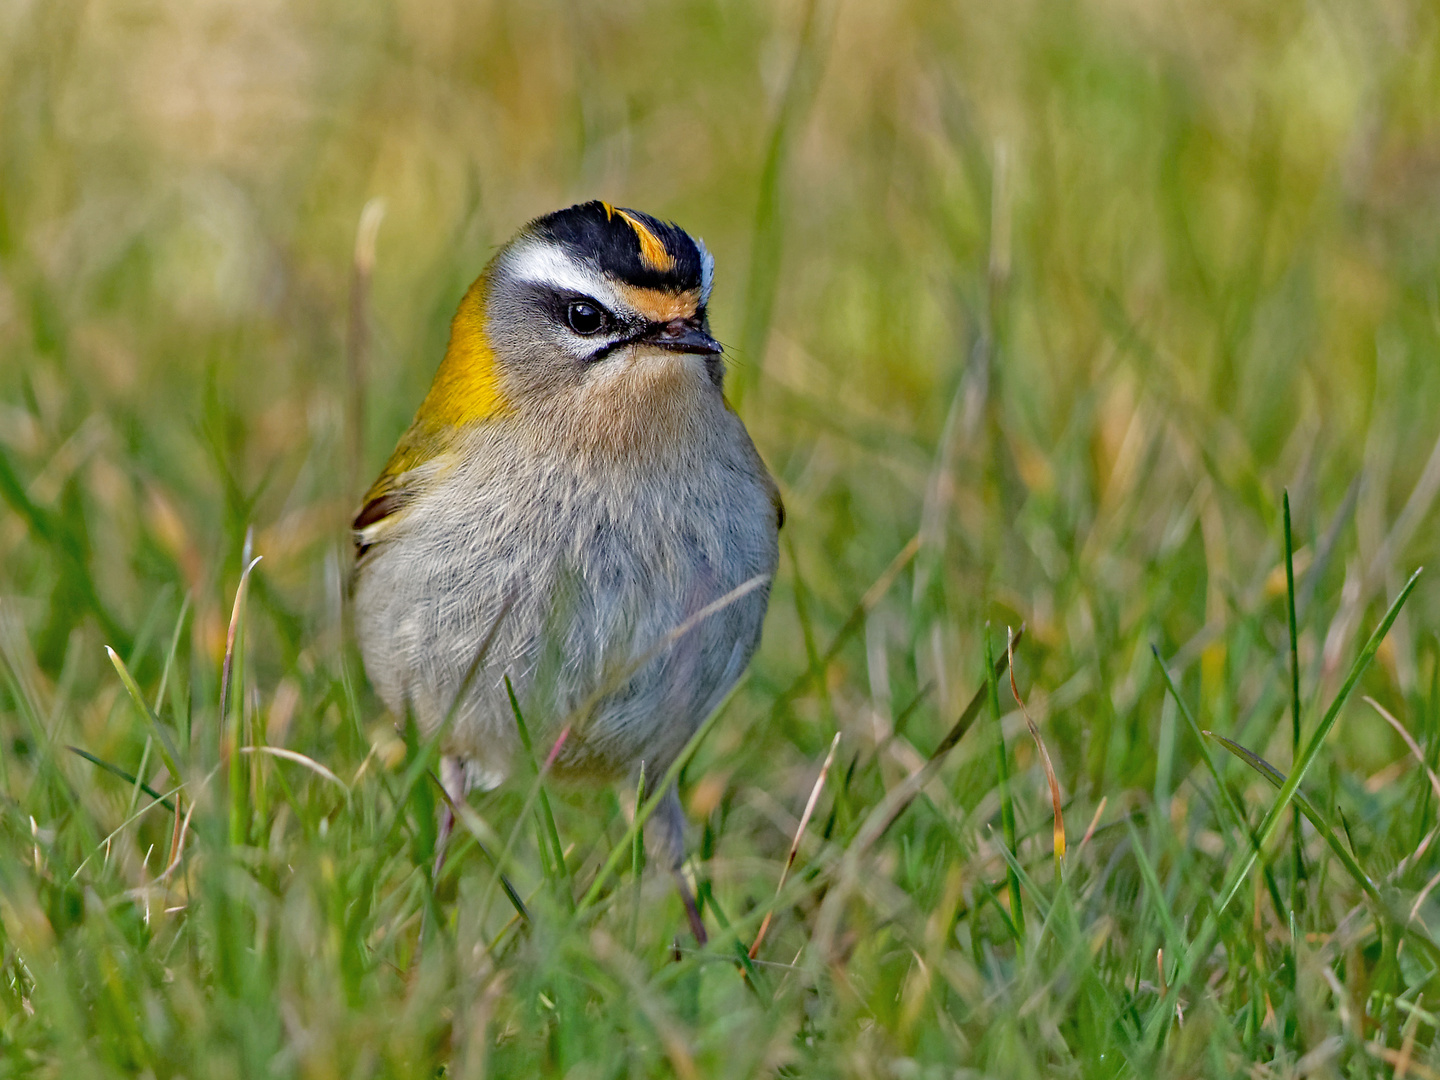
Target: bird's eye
(585, 317)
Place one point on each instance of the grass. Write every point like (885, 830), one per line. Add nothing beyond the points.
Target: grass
(1118, 324)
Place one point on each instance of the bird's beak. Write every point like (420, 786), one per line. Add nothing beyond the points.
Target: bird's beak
(682, 335)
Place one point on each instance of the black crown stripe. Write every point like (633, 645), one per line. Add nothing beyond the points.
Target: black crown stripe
(602, 234)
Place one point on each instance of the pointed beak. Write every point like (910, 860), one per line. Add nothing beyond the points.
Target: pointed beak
(682, 335)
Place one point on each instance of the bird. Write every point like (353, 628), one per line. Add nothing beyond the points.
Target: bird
(575, 515)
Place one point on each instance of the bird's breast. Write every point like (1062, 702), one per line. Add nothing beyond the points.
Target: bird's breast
(597, 567)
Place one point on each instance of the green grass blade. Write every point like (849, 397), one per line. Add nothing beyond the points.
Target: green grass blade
(1411, 928)
(551, 833)
(637, 853)
(140, 770)
(621, 849)
(236, 612)
(1174, 939)
(767, 241)
(480, 832)
(168, 752)
(1277, 780)
(1312, 749)
(232, 730)
(130, 779)
(1299, 851)
(171, 653)
(1007, 802)
(1227, 797)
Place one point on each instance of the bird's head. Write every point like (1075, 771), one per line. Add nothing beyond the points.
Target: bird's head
(590, 323)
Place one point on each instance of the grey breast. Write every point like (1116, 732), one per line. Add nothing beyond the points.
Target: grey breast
(594, 577)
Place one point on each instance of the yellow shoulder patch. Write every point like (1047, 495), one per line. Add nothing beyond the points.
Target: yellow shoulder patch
(466, 391)
(467, 385)
(652, 251)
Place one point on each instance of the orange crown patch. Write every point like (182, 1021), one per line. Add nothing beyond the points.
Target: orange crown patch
(653, 252)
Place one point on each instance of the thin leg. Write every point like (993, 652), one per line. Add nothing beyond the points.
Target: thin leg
(455, 779)
(667, 840)
(692, 910)
(452, 779)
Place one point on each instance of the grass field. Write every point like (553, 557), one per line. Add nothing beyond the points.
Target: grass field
(1036, 311)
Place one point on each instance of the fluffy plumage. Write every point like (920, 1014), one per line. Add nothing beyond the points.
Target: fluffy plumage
(574, 466)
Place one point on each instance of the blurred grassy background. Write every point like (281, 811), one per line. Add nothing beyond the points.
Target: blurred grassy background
(1068, 291)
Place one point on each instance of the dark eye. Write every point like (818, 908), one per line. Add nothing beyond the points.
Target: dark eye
(585, 317)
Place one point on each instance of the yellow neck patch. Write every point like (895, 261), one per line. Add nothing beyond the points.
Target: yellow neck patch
(652, 250)
(466, 391)
(467, 385)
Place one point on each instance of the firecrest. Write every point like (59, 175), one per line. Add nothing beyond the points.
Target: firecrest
(574, 508)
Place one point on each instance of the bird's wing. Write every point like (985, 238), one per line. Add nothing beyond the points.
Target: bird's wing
(466, 392)
(414, 466)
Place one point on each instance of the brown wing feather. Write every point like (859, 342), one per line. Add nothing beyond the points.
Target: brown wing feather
(418, 454)
(387, 496)
(375, 510)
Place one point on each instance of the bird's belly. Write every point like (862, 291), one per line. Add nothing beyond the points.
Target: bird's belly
(654, 636)
(595, 611)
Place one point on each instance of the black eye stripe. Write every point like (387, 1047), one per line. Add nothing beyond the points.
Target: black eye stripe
(556, 302)
(605, 350)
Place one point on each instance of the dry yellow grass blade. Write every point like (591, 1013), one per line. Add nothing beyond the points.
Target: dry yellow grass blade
(795, 844)
(1044, 756)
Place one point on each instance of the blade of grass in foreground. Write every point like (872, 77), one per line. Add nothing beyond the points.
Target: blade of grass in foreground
(133, 781)
(1174, 939)
(233, 733)
(1405, 926)
(1227, 798)
(1305, 807)
(1295, 891)
(1007, 802)
(637, 852)
(623, 847)
(475, 826)
(168, 753)
(1201, 944)
(551, 834)
(170, 654)
(1312, 750)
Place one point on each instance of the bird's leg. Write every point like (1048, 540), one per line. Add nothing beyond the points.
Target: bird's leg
(452, 779)
(692, 910)
(667, 837)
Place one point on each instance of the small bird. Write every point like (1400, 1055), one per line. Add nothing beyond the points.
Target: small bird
(575, 508)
